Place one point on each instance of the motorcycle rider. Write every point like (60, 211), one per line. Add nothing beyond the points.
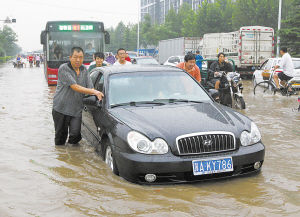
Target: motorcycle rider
(220, 65)
(216, 79)
(18, 61)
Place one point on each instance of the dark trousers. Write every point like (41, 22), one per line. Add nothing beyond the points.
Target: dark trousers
(65, 124)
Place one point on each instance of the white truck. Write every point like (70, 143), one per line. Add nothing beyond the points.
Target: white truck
(177, 47)
(249, 47)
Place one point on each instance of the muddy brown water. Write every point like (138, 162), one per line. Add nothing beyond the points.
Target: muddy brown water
(38, 179)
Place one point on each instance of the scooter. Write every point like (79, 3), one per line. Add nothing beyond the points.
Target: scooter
(230, 90)
(18, 64)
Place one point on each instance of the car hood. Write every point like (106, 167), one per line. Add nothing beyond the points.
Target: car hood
(170, 121)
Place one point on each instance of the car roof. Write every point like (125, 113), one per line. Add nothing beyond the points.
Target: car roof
(138, 68)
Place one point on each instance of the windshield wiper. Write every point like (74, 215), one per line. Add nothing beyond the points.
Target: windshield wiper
(122, 104)
(178, 100)
(133, 103)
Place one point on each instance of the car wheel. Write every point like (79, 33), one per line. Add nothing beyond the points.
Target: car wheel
(110, 160)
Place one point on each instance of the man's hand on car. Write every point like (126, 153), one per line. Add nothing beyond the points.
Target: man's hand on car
(98, 94)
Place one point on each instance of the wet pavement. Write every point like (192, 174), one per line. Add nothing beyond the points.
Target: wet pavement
(38, 179)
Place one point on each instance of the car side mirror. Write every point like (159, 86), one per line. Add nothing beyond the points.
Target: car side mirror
(92, 101)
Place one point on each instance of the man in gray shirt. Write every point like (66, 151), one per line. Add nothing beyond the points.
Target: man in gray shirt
(73, 82)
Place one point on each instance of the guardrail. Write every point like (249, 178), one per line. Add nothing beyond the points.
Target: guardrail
(4, 59)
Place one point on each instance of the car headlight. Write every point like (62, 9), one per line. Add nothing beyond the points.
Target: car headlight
(250, 138)
(142, 144)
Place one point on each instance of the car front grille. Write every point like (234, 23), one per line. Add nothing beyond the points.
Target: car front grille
(203, 143)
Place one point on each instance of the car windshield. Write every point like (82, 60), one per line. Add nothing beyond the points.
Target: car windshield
(61, 43)
(153, 86)
(146, 61)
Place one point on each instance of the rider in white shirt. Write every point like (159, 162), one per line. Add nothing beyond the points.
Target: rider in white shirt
(287, 68)
(121, 53)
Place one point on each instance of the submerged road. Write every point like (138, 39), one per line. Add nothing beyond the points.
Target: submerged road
(39, 179)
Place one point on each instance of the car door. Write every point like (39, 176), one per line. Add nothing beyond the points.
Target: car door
(90, 129)
(98, 114)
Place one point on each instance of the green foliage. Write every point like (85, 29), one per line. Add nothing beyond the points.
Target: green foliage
(256, 12)
(290, 32)
(8, 37)
(122, 36)
(221, 16)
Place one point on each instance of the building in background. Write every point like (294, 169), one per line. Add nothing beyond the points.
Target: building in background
(158, 9)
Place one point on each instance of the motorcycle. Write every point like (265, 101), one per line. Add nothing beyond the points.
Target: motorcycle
(18, 64)
(230, 90)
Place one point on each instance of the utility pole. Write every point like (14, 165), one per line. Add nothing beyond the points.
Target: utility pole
(279, 25)
(138, 30)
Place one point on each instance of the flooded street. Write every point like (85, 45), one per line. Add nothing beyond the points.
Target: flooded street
(39, 179)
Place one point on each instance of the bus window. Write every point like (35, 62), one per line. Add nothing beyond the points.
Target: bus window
(60, 44)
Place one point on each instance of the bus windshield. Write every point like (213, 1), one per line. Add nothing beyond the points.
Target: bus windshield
(61, 43)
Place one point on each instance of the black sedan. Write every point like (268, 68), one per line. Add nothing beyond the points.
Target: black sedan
(156, 125)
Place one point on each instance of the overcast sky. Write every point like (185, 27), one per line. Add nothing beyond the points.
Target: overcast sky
(32, 15)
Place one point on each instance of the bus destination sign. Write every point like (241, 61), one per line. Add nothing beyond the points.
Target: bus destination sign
(75, 27)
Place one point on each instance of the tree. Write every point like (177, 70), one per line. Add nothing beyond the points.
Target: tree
(208, 19)
(259, 12)
(189, 22)
(290, 33)
(221, 16)
(225, 8)
(8, 39)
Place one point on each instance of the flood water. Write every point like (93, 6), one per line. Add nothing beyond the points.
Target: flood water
(39, 179)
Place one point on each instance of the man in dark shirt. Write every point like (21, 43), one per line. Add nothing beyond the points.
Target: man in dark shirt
(215, 69)
(73, 82)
